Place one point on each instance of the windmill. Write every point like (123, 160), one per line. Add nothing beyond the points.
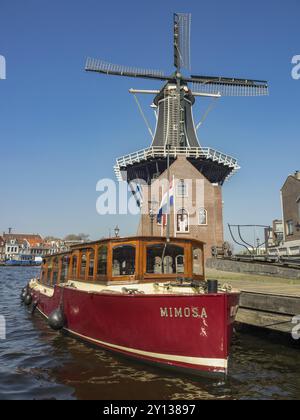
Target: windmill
(176, 134)
(179, 130)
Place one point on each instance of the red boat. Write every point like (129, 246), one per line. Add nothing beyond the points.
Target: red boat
(142, 297)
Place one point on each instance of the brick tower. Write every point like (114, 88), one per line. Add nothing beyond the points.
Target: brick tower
(196, 174)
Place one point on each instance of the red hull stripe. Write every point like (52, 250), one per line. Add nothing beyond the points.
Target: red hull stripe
(196, 361)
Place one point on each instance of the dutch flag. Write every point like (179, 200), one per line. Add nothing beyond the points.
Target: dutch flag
(163, 210)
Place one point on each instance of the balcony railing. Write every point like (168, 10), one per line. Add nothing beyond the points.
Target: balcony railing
(161, 152)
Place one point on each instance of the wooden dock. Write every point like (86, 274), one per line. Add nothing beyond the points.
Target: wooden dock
(267, 303)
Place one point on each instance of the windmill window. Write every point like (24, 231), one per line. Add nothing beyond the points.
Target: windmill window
(203, 217)
(182, 221)
(182, 189)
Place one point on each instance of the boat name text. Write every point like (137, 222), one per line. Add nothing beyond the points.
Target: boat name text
(186, 312)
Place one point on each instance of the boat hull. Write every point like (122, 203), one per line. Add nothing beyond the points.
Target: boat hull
(188, 332)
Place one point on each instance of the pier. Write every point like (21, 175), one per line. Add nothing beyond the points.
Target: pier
(266, 302)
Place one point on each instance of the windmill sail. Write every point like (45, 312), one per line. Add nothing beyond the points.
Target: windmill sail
(182, 36)
(229, 87)
(100, 66)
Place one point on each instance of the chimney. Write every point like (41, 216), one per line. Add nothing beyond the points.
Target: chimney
(297, 175)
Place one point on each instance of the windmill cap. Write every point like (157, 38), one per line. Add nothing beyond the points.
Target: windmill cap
(297, 175)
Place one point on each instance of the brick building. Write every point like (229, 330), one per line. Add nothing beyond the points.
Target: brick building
(197, 209)
(274, 237)
(290, 195)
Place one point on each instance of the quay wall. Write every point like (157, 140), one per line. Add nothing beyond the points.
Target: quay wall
(253, 268)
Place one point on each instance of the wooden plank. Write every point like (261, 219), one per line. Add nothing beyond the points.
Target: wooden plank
(272, 322)
(286, 305)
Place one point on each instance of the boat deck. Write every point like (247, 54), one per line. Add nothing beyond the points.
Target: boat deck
(132, 289)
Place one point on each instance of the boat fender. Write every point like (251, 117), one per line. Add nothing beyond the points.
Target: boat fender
(34, 306)
(28, 299)
(23, 295)
(57, 319)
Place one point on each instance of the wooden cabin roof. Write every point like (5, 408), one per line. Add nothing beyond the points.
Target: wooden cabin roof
(135, 238)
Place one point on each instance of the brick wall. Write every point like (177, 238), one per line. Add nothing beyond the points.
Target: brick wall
(212, 233)
(290, 196)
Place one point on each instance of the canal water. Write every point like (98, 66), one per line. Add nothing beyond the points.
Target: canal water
(37, 363)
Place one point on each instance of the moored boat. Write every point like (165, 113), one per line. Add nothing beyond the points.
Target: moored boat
(143, 297)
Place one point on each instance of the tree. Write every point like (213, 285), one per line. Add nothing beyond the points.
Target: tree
(80, 237)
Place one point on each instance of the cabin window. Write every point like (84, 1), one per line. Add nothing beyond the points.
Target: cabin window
(124, 260)
(165, 259)
(55, 272)
(83, 265)
(91, 263)
(74, 266)
(198, 262)
(44, 275)
(49, 272)
(102, 261)
(64, 268)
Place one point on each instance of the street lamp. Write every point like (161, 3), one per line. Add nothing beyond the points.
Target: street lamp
(117, 231)
(152, 214)
(258, 246)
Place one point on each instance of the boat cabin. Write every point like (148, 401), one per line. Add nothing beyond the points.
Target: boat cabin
(125, 261)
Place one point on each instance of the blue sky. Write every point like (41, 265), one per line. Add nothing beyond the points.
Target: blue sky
(57, 139)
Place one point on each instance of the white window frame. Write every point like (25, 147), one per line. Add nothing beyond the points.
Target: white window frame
(206, 212)
(298, 208)
(188, 215)
(288, 224)
(179, 184)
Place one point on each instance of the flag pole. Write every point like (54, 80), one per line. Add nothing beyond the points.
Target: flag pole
(162, 218)
(174, 206)
(168, 205)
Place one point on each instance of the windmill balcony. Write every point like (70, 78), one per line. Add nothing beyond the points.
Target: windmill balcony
(201, 153)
